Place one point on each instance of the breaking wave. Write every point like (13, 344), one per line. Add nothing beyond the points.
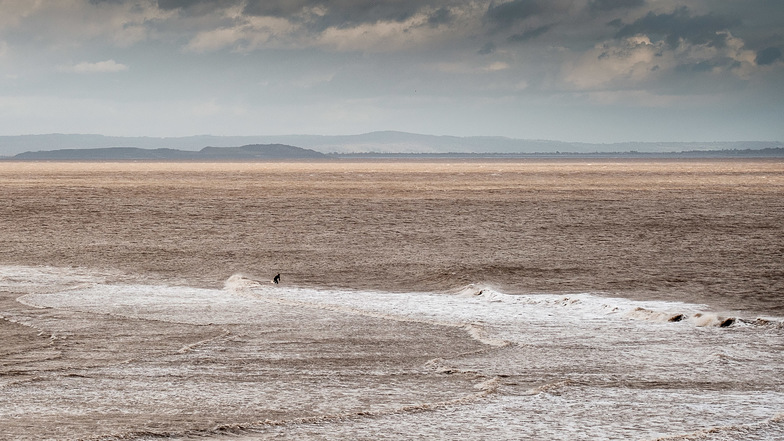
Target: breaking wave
(553, 366)
(592, 305)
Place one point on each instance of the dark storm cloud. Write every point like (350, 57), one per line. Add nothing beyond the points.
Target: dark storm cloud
(768, 56)
(681, 25)
(609, 5)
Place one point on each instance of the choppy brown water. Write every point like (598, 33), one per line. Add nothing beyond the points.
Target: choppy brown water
(699, 231)
(123, 314)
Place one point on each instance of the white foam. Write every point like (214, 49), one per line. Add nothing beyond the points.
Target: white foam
(86, 292)
(585, 363)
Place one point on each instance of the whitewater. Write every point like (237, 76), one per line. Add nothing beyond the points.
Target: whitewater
(257, 361)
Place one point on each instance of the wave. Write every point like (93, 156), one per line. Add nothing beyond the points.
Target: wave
(597, 305)
(553, 388)
(301, 297)
(584, 360)
(241, 284)
(47, 286)
(768, 429)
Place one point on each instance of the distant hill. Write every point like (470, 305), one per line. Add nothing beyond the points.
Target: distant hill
(103, 154)
(259, 151)
(247, 152)
(387, 142)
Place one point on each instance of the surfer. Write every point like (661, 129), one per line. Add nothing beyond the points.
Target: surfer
(276, 279)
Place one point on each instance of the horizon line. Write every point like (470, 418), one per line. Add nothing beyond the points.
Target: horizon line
(392, 131)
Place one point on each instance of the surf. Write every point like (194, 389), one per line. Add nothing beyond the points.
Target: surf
(556, 366)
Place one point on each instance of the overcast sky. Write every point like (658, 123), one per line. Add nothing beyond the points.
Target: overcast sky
(571, 70)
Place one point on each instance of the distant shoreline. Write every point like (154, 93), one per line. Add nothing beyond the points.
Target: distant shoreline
(708, 154)
(385, 143)
(764, 153)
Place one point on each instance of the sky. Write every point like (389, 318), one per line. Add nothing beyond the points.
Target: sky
(569, 70)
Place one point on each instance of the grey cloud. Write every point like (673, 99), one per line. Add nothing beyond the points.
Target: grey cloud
(529, 34)
(680, 25)
(487, 49)
(162, 4)
(609, 5)
(768, 56)
(442, 16)
(346, 13)
(197, 7)
(507, 14)
(705, 65)
(186, 4)
(278, 8)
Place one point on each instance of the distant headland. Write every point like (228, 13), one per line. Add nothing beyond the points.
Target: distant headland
(246, 152)
(387, 144)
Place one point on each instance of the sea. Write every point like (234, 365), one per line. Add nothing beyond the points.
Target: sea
(442, 299)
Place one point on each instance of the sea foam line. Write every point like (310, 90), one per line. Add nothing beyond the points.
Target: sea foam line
(476, 331)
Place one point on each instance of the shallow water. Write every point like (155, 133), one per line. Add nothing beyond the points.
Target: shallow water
(701, 231)
(484, 300)
(104, 358)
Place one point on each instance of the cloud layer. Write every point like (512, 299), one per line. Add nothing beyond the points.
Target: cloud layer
(108, 66)
(311, 65)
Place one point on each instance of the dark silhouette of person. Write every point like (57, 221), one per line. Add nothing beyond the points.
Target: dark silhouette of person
(276, 279)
